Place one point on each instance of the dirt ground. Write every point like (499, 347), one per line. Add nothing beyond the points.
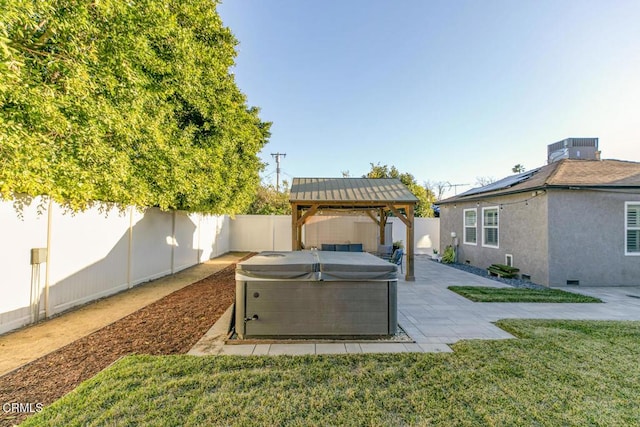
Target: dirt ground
(26, 345)
(171, 325)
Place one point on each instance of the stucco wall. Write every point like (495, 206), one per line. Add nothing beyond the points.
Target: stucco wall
(588, 239)
(522, 234)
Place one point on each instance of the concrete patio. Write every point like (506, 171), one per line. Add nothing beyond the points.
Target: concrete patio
(435, 317)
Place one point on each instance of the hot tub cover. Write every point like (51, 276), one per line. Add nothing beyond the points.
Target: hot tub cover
(299, 265)
(316, 266)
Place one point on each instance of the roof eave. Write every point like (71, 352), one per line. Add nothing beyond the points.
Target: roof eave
(477, 197)
(483, 196)
(354, 203)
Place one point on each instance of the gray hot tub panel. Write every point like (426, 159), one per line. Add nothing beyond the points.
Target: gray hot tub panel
(352, 294)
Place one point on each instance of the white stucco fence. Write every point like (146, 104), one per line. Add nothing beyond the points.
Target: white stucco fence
(97, 253)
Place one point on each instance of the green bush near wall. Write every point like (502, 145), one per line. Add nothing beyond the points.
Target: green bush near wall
(125, 102)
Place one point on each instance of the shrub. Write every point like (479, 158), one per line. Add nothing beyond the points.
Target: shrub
(449, 255)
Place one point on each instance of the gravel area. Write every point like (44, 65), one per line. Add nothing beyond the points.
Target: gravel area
(516, 283)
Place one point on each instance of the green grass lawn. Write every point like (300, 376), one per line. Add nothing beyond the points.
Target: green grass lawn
(488, 294)
(556, 373)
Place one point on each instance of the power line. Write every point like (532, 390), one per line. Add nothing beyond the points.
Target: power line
(269, 174)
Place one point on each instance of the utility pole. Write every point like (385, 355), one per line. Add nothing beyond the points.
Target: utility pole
(277, 157)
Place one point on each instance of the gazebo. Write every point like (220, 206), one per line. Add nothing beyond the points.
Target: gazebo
(376, 198)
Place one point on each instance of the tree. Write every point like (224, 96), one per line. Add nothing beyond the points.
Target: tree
(438, 188)
(125, 102)
(425, 196)
(481, 181)
(518, 168)
(270, 201)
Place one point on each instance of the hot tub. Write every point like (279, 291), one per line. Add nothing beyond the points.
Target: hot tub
(316, 293)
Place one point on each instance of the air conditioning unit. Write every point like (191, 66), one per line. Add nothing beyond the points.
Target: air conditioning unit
(573, 148)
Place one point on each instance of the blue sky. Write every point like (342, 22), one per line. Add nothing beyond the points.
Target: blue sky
(446, 90)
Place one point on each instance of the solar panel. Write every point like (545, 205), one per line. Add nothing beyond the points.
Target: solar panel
(503, 183)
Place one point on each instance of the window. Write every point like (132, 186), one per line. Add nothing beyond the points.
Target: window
(632, 228)
(470, 227)
(490, 227)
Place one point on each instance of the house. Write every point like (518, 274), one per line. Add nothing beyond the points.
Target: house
(571, 222)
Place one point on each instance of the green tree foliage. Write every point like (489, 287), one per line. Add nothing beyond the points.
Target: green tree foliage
(269, 201)
(129, 102)
(518, 168)
(425, 196)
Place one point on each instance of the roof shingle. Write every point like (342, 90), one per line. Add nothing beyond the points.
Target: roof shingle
(566, 173)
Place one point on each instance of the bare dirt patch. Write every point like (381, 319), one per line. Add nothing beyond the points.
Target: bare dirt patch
(171, 325)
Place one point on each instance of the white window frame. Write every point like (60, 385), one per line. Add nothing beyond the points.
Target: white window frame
(464, 227)
(485, 227)
(627, 228)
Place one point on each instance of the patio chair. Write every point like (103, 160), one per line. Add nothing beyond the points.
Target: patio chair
(385, 252)
(396, 258)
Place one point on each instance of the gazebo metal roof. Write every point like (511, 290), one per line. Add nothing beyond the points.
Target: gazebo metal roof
(350, 190)
(375, 197)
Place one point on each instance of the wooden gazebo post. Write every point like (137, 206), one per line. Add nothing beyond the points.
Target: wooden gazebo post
(409, 276)
(383, 224)
(294, 228)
